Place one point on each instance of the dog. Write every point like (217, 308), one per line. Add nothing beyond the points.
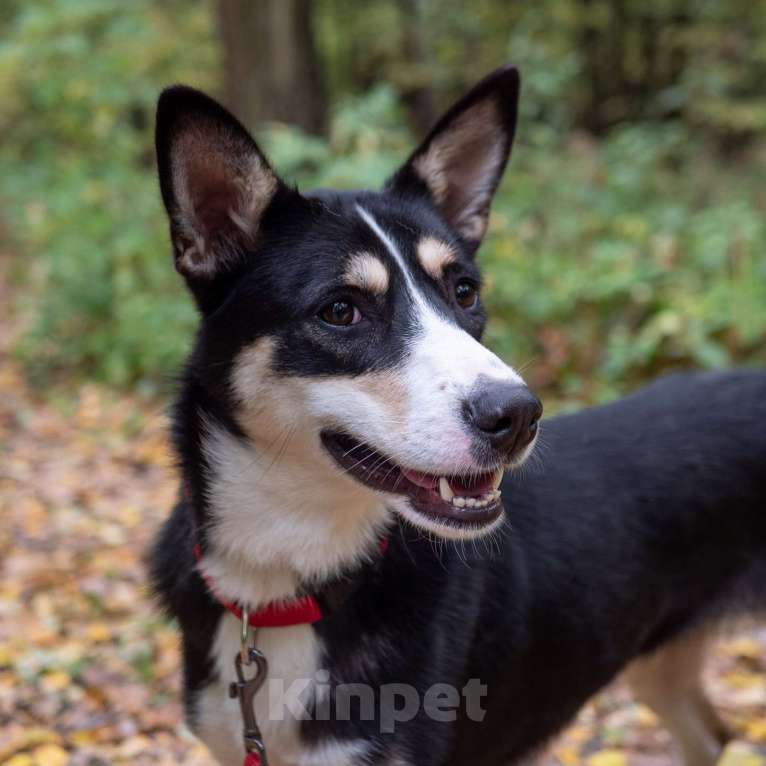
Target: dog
(350, 457)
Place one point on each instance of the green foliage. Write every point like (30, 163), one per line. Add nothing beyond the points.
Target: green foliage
(595, 63)
(366, 141)
(608, 259)
(79, 79)
(610, 262)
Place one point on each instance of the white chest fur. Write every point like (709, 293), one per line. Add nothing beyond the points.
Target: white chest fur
(293, 655)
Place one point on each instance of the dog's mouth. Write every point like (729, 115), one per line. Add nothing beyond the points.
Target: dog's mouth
(464, 500)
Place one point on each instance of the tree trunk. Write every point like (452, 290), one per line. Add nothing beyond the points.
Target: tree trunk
(271, 67)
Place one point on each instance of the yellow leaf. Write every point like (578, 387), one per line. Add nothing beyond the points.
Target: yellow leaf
(22, 759)
(6, 655)
(56, 680)
(98, 632)
(134, 746)
(743, 680)
(578, 733)
(50, 755)
(739, 754)
(645, 717)
(23, 738)
(744, 647)
(83, 737)
(756, 730)
(607, 758)
(567, 756)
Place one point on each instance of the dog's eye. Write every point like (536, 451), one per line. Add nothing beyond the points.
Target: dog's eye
(340, 314)
(466, 294)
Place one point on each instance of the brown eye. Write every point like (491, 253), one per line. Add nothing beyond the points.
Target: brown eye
(466, 294)
(340, 314)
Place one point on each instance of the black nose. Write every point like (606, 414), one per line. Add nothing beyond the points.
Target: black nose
(504, 413)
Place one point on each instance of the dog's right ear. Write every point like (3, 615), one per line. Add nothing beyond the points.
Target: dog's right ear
(215, 182)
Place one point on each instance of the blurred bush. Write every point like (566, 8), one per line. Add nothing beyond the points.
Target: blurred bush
(610, 262)
(78, 83)
(620, 245)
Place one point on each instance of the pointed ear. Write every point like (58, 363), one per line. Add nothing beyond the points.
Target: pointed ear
(215, 182)
(460, 163)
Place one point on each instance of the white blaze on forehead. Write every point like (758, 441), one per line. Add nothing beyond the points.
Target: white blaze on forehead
(433, 255)
(443, 364)
(367, 272)
(393, 251)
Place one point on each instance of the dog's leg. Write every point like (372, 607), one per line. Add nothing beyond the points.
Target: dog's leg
(669, 682)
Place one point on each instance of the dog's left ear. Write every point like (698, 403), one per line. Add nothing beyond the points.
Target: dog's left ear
(460, 163)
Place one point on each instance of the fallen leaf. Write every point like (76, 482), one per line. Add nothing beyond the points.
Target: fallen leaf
(740, 754)
(55, 681)
(756, 730)
(50, 755)
(607, 758)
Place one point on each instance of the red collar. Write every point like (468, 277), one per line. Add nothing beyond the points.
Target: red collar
(278, 614)
(303, 610)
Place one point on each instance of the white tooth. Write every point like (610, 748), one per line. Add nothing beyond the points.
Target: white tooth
(470, 502)
(459, 502)
(481, 503)
(497, 478)
(445, 490)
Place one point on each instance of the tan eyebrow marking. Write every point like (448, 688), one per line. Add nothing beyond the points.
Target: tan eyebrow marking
(367, 272)
(434, 255)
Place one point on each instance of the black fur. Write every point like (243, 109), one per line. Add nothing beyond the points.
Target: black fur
(641, 519)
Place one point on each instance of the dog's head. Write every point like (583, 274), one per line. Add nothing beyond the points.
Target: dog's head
(342, 330)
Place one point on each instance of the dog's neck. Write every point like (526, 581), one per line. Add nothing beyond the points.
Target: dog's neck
(275, 524)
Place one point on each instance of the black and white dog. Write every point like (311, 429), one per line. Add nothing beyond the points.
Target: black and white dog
(338, 398)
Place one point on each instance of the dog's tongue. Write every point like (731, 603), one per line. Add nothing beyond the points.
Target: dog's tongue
(426, 480)
(462, 487)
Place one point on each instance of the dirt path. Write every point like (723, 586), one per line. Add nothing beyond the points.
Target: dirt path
(89, 672)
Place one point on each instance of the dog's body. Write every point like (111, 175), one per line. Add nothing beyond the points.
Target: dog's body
(338, 396)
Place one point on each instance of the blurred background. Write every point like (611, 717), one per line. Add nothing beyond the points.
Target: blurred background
(629, 236)
(628, 239)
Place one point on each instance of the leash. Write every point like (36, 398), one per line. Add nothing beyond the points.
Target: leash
(302, 610)
(298, 611)
(244, 689)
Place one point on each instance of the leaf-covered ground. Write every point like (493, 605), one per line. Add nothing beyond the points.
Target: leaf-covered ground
(89, 672)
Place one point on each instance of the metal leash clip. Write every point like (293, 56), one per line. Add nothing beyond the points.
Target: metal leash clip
(245, 690)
